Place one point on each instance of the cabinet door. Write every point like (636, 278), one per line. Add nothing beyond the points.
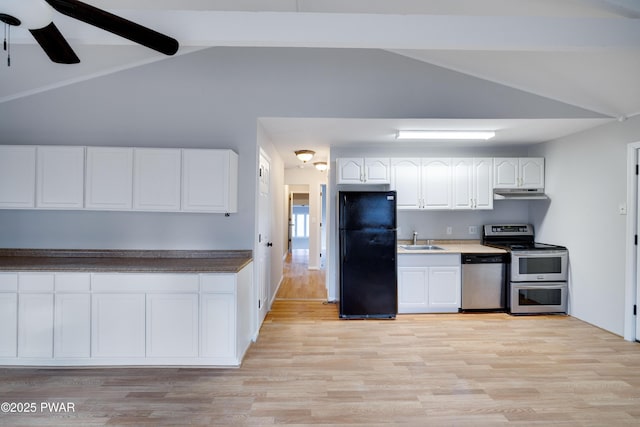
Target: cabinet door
(532, 172)
(172, 325)
(17, 176)
(350, 170)
(444, 289)
(217, 337)
(72, 325)
(436, 183)
(505, 172)
(405, 180)
(463, 183)
(209, 180)
(377, 171)
(156, 179)
(8, 324)
(109, 184)
(35, 325)
(118, 325)
(412, 290)
(483, 183)
(60, 182)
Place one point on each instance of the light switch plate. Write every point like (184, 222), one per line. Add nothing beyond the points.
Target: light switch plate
(473, 229)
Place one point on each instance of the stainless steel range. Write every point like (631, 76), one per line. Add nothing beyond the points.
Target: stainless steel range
(537, 271)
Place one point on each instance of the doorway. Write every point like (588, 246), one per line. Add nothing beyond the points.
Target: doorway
(306, 218)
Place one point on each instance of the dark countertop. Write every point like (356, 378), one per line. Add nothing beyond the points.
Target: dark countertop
(124, 261)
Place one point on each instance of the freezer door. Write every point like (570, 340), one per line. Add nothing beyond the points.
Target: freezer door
(367, 210)
(368, 274)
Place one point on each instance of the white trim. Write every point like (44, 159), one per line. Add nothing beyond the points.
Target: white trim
(630, 291)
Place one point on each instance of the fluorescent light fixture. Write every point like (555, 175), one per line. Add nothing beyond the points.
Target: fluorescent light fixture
(445, 134)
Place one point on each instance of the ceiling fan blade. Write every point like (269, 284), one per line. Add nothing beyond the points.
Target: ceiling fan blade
(117, 25)
(54, 45)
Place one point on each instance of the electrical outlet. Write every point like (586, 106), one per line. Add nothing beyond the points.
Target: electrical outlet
(473, 229)
(449, 230)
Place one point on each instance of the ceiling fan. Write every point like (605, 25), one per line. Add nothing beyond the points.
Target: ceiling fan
(37, 16)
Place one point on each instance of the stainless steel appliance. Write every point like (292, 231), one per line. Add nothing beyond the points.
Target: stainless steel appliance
(538, 271)
(368, 261)
(484, 282)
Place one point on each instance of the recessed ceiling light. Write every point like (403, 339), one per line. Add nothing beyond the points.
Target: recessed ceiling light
(445, 134)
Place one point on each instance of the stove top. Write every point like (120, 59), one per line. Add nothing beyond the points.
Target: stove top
(520, 246)
(514, 237)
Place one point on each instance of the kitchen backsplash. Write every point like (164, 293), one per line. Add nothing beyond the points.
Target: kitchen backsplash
(434, 224)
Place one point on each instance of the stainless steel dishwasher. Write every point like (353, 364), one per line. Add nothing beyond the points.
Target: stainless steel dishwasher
(484, 282)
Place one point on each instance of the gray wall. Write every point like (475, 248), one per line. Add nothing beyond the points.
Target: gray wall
(586, 181)
(212, 99)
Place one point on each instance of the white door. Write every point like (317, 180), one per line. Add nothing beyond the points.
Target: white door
(264, 238)
(60, 172)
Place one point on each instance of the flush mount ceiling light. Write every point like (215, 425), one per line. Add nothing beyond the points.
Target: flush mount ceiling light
(446, 134)
(321, 166)
(304, 155)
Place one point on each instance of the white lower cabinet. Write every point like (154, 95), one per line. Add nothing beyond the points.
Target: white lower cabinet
(428, 283)
(172, 325)
(88, 319)
(72, 316)
(218, 322)
(35, 315)
(118, 325)
(8, 324)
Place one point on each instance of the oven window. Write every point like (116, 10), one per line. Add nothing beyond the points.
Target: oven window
(543, 265)
(539, 297)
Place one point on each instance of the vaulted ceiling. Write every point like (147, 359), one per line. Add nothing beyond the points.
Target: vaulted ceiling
(585, 53)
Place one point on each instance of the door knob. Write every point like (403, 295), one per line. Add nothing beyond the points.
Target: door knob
(269, 244)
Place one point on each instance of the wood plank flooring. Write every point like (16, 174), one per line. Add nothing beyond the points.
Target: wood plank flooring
(310, 368)
(298, 281)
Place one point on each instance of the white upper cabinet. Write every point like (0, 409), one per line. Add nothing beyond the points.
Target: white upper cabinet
(109, 179)
(472, 183)
(60, 177)
(436, 183)
(17, 176)
(524, 172)
(209, 181)
(405, 180)
(156, 179)
(358, 170)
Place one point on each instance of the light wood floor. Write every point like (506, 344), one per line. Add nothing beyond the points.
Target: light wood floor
(310, 368)
(300, 283)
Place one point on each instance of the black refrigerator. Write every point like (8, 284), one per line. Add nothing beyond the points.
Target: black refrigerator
(368, 260)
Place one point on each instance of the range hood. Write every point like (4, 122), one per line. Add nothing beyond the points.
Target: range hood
(519, 194)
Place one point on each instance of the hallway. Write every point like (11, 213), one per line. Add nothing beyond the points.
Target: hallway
(300, 283)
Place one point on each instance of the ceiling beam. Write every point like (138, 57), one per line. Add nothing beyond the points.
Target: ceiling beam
(336, 30)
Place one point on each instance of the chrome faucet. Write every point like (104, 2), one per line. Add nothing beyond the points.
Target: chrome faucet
(415, 238)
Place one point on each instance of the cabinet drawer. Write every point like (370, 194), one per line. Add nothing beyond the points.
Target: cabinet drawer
(428, 260)
(35, 282)
(8, 282)
(73, 282)
(218, 283)
(136, 283)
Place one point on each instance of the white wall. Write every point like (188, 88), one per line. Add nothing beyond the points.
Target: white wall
(586, 181)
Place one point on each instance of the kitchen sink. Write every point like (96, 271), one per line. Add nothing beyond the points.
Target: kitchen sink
(421, 247)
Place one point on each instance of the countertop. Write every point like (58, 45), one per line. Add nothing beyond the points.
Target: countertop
(450, 247)
(124, 261)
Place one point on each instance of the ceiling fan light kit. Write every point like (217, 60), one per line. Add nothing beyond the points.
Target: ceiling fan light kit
(37, 16)
(446, 134)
